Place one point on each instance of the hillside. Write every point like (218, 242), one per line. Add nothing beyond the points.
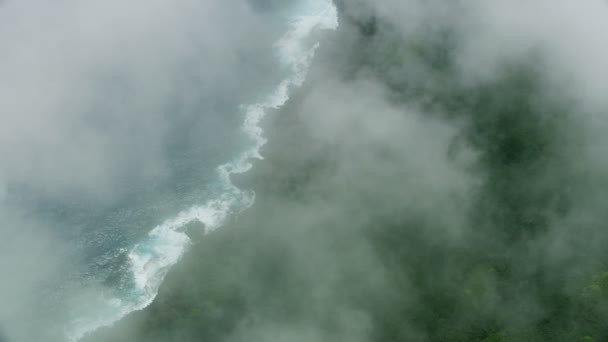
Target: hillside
(401, 201)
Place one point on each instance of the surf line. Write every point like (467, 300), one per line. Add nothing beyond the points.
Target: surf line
(150, 260)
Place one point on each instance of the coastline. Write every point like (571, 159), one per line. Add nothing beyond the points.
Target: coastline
(395, 203)
(295, 55)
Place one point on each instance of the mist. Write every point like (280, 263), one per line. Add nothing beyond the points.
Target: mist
(96, 99)
(440, 175)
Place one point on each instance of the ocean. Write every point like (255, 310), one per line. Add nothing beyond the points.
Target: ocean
(122, 249)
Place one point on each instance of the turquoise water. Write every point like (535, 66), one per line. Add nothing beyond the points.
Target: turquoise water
(123, 247)
(112, 224)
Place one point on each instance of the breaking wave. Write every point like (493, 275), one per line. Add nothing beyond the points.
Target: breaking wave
(150, 260)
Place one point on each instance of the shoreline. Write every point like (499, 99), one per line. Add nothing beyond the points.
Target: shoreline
(293, 57)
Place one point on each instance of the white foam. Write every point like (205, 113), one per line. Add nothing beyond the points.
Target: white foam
(151, 259)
